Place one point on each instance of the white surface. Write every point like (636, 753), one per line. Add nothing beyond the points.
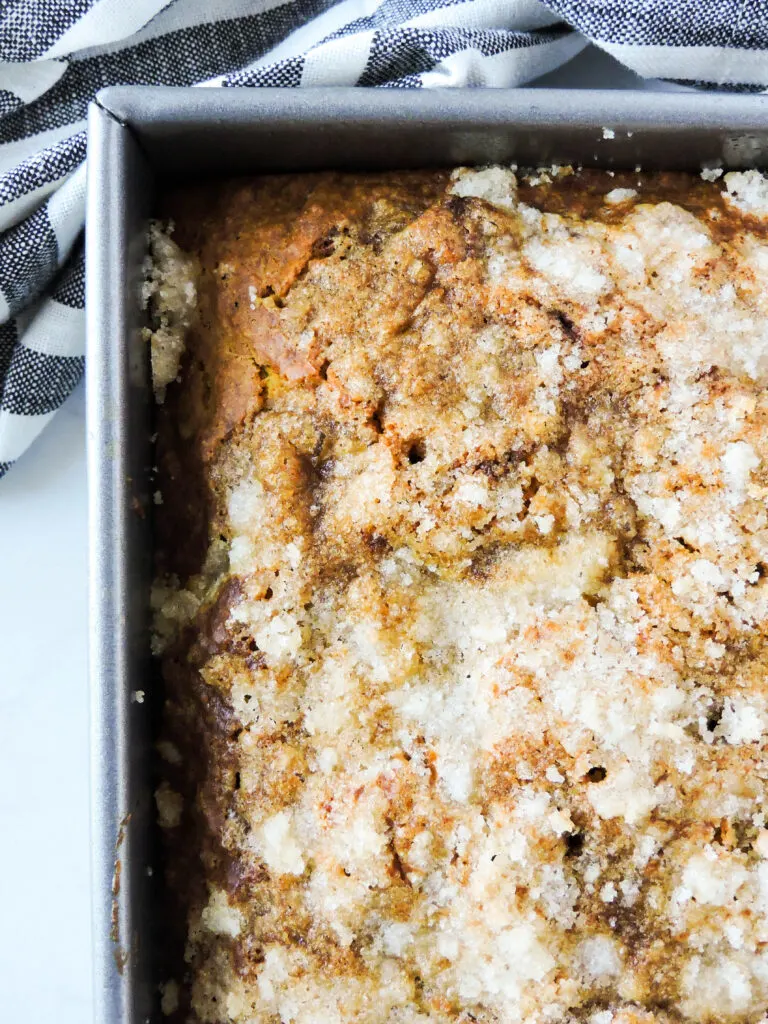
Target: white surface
(44, 869)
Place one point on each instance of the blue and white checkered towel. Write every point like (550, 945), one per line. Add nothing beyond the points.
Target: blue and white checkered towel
(55, 55)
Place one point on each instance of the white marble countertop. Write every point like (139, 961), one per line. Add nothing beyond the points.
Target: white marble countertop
(44, 856)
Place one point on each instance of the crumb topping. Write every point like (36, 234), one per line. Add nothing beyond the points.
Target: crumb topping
(170, 292)
(477, 651)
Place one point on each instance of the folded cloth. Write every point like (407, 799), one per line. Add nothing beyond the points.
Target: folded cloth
(56, 54)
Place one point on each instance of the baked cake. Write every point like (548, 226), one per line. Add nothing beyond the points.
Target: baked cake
(462, 542)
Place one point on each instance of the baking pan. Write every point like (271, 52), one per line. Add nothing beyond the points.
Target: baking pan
(138, 136)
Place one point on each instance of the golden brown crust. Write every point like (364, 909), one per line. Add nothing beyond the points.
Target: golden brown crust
(464, 490)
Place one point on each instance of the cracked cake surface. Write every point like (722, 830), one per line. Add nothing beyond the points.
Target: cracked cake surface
(462, 543)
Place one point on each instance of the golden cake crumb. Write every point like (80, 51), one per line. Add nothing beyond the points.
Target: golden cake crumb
(462, 599)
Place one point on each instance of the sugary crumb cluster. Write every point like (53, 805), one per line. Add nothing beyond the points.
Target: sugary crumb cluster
(468, 711)
(169, 291)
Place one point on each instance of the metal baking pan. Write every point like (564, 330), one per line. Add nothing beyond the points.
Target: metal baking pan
(140, 135)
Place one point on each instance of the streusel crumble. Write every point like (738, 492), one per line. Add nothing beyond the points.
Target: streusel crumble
(463, 603)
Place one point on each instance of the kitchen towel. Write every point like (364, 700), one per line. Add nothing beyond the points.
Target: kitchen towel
(56, 54)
